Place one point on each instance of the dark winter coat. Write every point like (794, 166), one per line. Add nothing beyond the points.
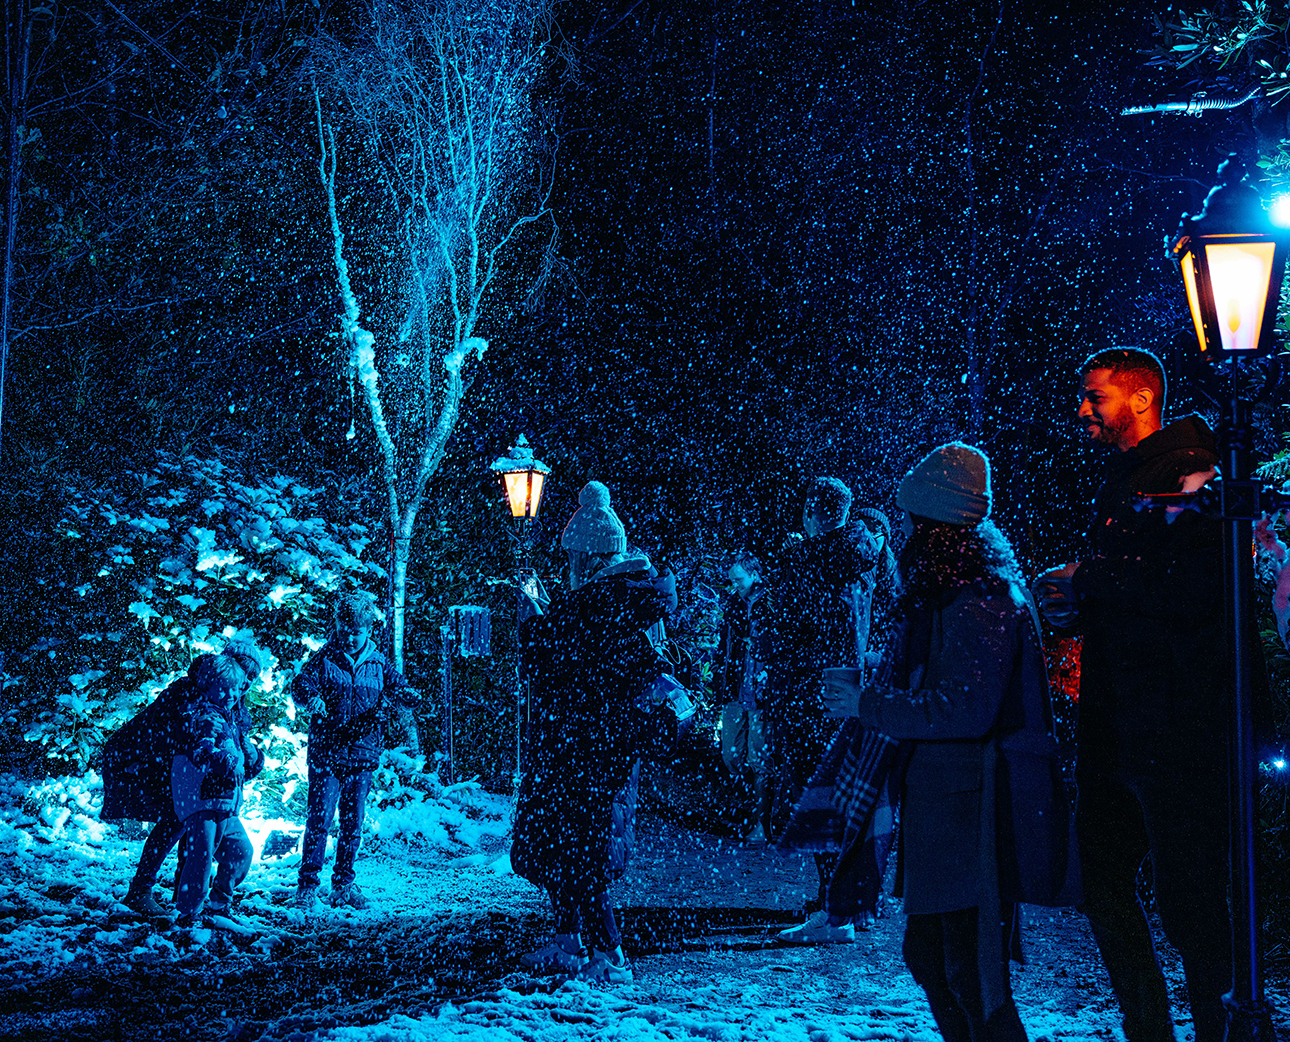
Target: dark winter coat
(821, 609)
(348, 738)
(590, 665)
(984, 815)
(1154, 665)
(744, 649)
(137, 757)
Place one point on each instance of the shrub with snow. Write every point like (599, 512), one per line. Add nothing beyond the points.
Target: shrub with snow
(137, 580)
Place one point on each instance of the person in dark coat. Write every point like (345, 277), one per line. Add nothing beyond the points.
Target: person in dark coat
(137, 762)
(819, 613)
(1152, 731)
(963, 686)
(206, 784)
(853, 892)
(597, 685)
(742, 676)
(345, 687)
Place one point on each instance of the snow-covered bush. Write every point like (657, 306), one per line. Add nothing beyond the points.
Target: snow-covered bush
(135, 580)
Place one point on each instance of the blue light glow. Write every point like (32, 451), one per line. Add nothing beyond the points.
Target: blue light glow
(1279, 211)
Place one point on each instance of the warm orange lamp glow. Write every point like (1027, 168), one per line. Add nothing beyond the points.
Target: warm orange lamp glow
(523, 478)
(1232, 258)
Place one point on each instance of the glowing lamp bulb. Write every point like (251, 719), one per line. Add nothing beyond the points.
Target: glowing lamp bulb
(1279, 211)
(1280, 765)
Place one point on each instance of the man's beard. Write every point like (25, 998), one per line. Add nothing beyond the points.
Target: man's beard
(1108, 432)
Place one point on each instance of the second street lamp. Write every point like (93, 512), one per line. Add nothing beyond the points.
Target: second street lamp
(523, 479)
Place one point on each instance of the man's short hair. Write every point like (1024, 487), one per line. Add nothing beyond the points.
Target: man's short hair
(750, 563)
(352, 611)
(1132, 368)
(830, 500)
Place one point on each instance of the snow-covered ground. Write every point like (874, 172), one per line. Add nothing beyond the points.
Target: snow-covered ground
(62, 873)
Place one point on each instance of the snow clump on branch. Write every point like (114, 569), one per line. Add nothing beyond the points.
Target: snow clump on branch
(454, 359)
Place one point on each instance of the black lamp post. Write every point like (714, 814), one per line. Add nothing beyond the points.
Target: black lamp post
(523, 481)
(1232, 260)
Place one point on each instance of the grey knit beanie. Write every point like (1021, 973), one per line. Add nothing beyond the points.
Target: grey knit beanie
(594, 527)
(950, 484)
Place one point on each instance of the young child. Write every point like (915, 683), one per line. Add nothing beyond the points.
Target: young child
(344, 687)
(137, 763)
(206, 783)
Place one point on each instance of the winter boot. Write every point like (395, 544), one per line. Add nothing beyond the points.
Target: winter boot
(607, 968)
(141, 900)
(564, 954)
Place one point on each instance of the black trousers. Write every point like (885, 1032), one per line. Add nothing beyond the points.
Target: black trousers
(1179, 817)
(589, 914)
(941, 953)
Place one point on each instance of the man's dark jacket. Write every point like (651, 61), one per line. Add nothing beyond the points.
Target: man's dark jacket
(743, 652)
(349, 737)
(818, 617)
(1155, 675)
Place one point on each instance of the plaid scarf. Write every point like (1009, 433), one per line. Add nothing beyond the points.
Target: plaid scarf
(862, 775)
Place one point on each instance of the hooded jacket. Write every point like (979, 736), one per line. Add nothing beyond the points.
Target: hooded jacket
(589, 662)
(1155, 661)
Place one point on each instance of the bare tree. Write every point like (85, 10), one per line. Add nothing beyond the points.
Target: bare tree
(438, 102)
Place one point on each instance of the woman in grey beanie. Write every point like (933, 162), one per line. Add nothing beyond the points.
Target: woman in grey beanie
(963, 688)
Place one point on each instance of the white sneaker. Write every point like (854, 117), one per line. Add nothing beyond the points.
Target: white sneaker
(551, 958)
(757, 837)
(818, 930)
(607, 968)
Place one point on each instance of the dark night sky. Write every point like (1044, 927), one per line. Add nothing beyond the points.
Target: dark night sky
(794, 237)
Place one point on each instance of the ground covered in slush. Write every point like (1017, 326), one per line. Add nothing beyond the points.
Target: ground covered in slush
(436, 955)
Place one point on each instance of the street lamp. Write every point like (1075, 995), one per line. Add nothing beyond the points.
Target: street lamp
(523, 479)
(1232, 259)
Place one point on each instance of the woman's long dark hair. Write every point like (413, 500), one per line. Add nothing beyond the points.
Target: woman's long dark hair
(941, 558)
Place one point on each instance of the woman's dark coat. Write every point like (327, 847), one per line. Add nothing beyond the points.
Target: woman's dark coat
(137, 757)
(985, 820)
(589, 663)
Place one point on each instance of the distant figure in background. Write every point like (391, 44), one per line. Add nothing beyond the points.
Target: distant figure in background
(137, 761)
(345, 687)
(817, 624)
(742, 676)
(854, 889)
(877, 586)
(597, 687)
(207, 779)
(962, 690)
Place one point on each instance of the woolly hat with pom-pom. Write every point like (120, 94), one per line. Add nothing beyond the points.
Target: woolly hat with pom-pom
(950, 484)
(594, 527)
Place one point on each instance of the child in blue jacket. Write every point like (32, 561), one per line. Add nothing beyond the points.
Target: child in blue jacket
(344, 687)
(207, 775)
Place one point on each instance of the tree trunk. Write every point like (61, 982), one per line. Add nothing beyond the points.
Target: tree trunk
(16, 67)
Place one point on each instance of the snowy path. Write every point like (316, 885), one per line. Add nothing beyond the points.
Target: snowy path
(436, 955)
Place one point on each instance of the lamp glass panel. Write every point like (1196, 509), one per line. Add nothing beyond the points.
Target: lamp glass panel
(1239, 274)
(535, 491)
(1193, 296)
(517, 490)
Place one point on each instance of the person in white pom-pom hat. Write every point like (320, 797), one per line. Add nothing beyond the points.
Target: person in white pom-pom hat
(598, 686)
